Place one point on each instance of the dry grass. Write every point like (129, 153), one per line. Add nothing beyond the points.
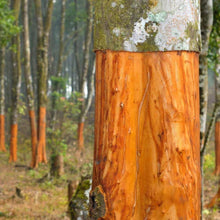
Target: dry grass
(46, 200)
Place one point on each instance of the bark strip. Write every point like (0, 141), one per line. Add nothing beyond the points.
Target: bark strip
(13, 143)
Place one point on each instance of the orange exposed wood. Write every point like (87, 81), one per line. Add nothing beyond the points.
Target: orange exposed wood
(217, 148)
(41, 147)
(147, 129)
(214, 201)
(80, 135)
(2, 133)
(13, 143)
(33, 136)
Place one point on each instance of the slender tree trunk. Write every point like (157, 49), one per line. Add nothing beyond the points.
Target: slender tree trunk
(29, 86)
(206, 28)
(42, 68)
(2, 99)
(146, 159)
(16, 84)
(56, 87)
(84, 105)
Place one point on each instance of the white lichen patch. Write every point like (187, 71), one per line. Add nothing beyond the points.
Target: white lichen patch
(172, 31)
(88, 191)
(114, 4)
(139, 35)
(170, 20)
(116, 31)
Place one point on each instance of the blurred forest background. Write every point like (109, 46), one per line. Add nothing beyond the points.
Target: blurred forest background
(47, 106)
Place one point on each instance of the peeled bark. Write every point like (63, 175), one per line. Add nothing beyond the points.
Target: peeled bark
(16, 84)
(80, 135)
(41, 147)
(214, 201)
(33, 136)
(147, 135)
(13, 143)
(29, 86)
(2, 100)
(217, 147)
(2, 133)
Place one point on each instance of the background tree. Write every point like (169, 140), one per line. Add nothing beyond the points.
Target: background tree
(83, 78)
(7, 30)
(206, 27)
(29, 86)
(16, 83)
(43, 27)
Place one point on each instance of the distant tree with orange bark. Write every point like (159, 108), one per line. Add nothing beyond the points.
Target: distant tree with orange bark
(16, 83)
(29, 81)
(7, 29)
(43, 32)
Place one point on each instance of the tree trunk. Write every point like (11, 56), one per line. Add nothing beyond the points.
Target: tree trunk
(85, 103)
(16, 84)
(206, 28)
(2, 99)
(146, 159)
(57, 166)
(29, 86)
(42, 69)
(56, 86)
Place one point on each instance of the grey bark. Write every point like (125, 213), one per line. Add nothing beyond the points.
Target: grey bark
(28, 76)
(140, 26)
(16, 59)
(206, 27)
(86, 104)
(2, 81)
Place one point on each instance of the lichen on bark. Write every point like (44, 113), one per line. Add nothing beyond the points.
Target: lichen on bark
(147, 25)
(97, 203)
(79, 204)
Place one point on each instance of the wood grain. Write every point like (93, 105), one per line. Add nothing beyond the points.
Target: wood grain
(146, 156)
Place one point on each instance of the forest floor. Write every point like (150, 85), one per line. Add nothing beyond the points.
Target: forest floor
(44, 199)
(47, 199)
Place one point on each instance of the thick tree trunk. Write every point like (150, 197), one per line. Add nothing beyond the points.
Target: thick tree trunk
(147, 135)
(2, 99)
(29, 86)
(147, 150)
(16, 85)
